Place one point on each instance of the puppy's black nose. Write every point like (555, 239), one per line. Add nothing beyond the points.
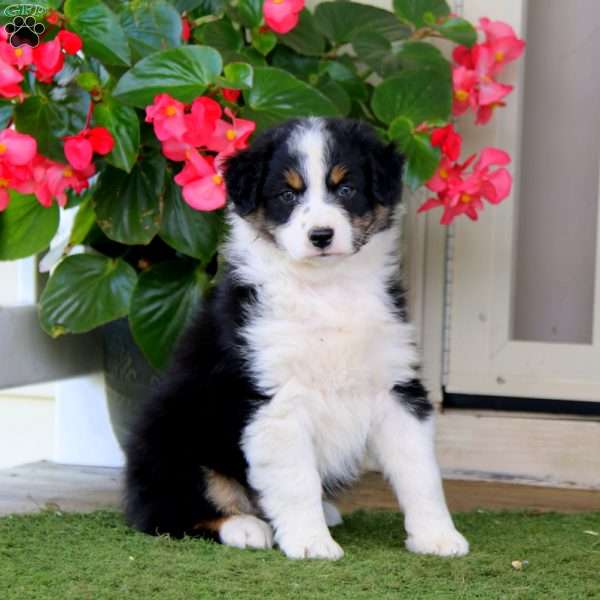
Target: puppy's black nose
(320, 237)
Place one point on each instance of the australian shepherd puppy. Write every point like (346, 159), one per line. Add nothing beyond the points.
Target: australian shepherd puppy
(300, 363)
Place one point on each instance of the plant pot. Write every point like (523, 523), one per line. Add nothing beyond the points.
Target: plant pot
(130, 379)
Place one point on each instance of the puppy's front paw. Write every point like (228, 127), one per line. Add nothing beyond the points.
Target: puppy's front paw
(311, 546)
(442, 542)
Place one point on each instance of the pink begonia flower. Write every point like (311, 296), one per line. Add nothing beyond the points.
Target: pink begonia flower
(229, 137)
(80, 148)
(282, 15)
(18, 57)
(202, 121)
(166, 114)
(490, 91)
(448, 140)
(464, 92)
(10, 79)
(459, 193)
(203, 186)
(17, 148)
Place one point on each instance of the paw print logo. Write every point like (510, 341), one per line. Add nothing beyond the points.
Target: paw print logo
(24, 32)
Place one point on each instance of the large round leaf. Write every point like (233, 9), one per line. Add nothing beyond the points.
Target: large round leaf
(420, 95)
(457, 30)
(422, 158)
(305, 38)
(339, 21)
(189, 231)
(222, 36)
(49, 120)
(182, 72)
(85, 291)
(162, 303)
(277, 96)
(128, 205)
(124, 124)
(416, 11)
(26, 227)
(103, 36)
(150, 26)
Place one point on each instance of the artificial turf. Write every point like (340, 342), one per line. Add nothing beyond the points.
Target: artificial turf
(55, 556)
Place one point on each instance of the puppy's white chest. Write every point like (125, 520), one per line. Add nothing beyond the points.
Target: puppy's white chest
(338, 340)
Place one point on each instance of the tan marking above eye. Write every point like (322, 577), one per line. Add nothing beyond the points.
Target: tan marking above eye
(294, 180)
(337, 174)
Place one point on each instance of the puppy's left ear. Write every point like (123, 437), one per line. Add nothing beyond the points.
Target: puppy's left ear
(386, 173)
(243, 179)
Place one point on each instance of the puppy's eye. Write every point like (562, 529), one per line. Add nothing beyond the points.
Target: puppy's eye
(345, 191)
(288, 196)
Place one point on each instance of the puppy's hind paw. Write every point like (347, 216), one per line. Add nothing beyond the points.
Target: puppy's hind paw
(246, 531)
(446, 542)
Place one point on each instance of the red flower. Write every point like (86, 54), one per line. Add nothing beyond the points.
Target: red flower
(202, 121)
(48, 59)
(53, 17)
(203, 186)
(70, 42)
(186, 29)
(230, 95)
(448, 140)
(282, 15)
(166, 114)
(80, 148)
(459, 193)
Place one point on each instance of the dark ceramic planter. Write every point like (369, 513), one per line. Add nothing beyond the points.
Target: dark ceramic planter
(129, 377)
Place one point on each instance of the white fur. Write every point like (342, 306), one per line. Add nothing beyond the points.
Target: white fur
(310, 143)
(246, 531)
(333, 518)
(326, 344)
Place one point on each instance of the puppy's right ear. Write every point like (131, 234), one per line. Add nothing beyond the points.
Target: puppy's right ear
(243, 179)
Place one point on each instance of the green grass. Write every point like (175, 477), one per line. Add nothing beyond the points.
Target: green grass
(53, 556)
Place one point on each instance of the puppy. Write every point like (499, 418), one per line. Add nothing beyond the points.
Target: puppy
(300, 363)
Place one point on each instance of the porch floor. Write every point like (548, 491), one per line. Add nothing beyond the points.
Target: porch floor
(34, 487)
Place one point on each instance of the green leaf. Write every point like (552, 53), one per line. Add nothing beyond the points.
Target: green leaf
(85, 291)
(264, 41)
(88, 81)
(422, 158)
(83, 223)
(421, 56)
(414, 11)
(128, 205)
(238, 76)
(26, 227)
(336, 93)
(222, 36)
(124, 124)
(50, 120)
(418, 95)
(182, 72)
(339, 21)
(99, 27)
(189, 231)
(163, 301)
(151, 26)
(277, 95)
(457, 30)
(347, 78)
(7, 110)
(303, 67)
(248, 12)
(376, 51)
(305, 38)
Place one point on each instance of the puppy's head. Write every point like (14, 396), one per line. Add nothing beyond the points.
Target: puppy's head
(316, 187)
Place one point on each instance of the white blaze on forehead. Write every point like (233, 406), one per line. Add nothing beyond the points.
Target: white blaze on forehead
(310, 144)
